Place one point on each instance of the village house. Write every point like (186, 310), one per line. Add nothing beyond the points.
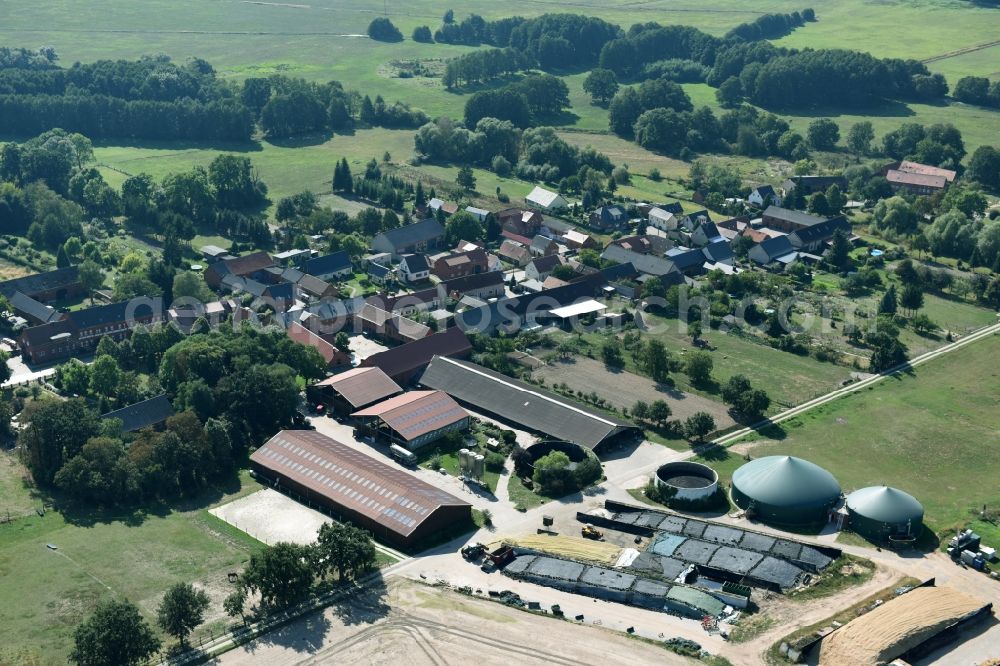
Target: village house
(692, 221)
(379, 274)
(334, 357)
(410, 303)
(410, 239)
(764, 196)
(81, 330)
(483, 286)
(689, 261)
(607, 218)
(540, 268)
(706, 233)
(787, 220)
(521, 222)
(771, 250)
(814, 238)
(646, 264)
(457, 264)
(444, 207)
(251, 266)
(330, 267)
(413, 268)
(811, 184)
(310, 287)
(389, 325)
(515, 253)
(916, 178)
(661, 219)
(479, 213)
(576, 240)
(719, 252)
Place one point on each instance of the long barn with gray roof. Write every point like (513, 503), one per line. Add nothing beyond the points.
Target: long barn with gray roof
(523, 405)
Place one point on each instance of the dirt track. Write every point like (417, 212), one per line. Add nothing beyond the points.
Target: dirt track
(416, 624)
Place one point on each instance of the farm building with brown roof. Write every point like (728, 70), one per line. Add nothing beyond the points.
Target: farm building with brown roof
(415, 419)
(355, 389)
(403, 362)
(330, 353)
(394, 505)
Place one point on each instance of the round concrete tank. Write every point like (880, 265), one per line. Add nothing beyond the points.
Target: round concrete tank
(688, 480)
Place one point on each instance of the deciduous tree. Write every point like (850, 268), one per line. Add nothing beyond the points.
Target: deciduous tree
(115, 635)
(181, 610)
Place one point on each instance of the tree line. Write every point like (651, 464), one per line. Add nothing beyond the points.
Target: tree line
(155, 98)
(554, 41)
(285, 107)
(48, 188)
(524, 103)
(771, 76)
(977, 90)
(151, 98)
(771, 26)
(533, 154)
(485, 65)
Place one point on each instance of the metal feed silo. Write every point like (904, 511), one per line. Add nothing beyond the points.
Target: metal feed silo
(882, 514)
(785, 490)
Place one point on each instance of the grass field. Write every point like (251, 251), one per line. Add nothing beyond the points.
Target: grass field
(787, 378)
(46, 593)
(287, 168)
(325, 40)
(932, 434)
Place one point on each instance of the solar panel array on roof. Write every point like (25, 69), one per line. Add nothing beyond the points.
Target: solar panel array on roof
(352, 479)
(417, 413)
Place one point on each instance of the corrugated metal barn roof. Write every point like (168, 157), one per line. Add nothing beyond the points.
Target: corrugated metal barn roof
(520, 403)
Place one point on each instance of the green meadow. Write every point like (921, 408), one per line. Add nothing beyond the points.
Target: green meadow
(932, 433)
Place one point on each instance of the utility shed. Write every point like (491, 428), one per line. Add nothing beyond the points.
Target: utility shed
(396, 506)
(522, 404)
(693, 603)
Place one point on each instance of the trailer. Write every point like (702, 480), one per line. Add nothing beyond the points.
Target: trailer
(498, 558)
(974, 560)
(402, 455)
